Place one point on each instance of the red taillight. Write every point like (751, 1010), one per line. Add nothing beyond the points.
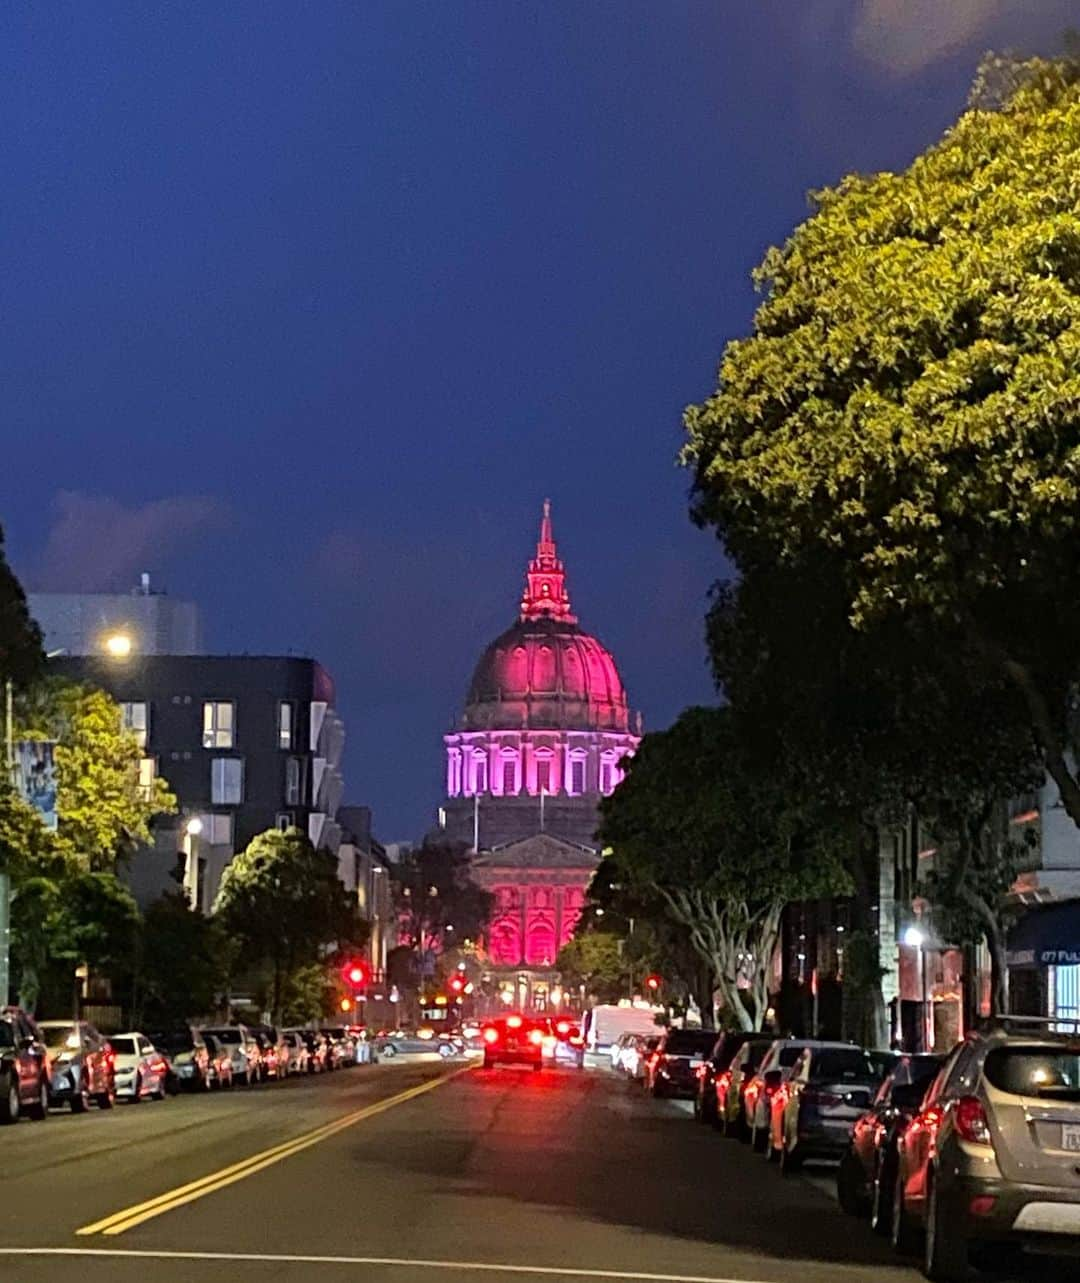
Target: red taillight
(577, 1042)
(536, 1037)
(513, 1022)
(770, 1089)
(971, 1121)
(491, 1035)
(724, 1079)
(563, 1027)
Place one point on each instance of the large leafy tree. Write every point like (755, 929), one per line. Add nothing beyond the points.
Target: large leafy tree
(284, 902)
(104, 812)
(21, 655)
(908, 405)
(184, 960)
(594, 960)
(724, 845)
(437, 902)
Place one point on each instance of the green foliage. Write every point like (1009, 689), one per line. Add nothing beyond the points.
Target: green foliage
(104, 815)
(906, 407)
(309, 994)
(434, 892)
(185, 959)
(594, 959)
(284, 903)
(21, 655)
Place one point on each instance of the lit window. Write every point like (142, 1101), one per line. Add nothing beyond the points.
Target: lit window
(136, 719)
(509, 775)
(226, 781)
(217, 723)
(543, 775)
(480, 773)
(607, 777)
(285, 725)
(218, 830)
(147, 775)
(577, 775)
(294, 782)
(453, 773)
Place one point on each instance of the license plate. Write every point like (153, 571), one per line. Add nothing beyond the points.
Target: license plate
(1070, 1137)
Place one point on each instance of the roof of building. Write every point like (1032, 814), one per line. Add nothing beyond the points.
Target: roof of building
(546, 672)
(541, 851)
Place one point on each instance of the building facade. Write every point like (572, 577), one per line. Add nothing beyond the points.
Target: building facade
(246, 743)
(78, 623)
(544, 735)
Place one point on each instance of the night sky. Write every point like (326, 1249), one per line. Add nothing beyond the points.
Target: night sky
(306, 307)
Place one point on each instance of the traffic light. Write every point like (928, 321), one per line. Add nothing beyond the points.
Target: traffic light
(652, 983)
(457, 984)
(355, 973)
(346, 1004)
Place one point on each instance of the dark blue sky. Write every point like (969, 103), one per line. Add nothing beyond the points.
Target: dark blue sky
(306, 306)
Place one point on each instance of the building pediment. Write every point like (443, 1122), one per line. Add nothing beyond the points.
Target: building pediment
(540, 851)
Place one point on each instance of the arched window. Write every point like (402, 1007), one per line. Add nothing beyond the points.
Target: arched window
(544, 772)
(509, 772)
(607, 775)
(479, 772)
(575, 780)
(453, 773)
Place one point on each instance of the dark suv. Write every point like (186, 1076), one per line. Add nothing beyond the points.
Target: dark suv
(672, 1068)
(24, 1067)
(513, 1040)
(719, 1059)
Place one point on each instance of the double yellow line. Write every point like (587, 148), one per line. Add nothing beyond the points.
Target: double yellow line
(127, 1219)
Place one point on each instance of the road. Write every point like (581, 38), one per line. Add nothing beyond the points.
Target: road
(408, 1171)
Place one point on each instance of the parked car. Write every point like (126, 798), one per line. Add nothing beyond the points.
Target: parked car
(513, 1040)
(244, 1050)
(24, 1067)
(219, 1063)
(864, 1180)
(318, 1049)
(813, 1113)
(731, 1087)
(189, 1060)
(569, 1048)
(296, 1052)
(80, 1065)
(618, 1049)
(637, 1057)
(771, 1074)
(671, 1070)
(719, 1058)
(139, 1068)
(403, 1042)
(992, 1156)
(343, 1045)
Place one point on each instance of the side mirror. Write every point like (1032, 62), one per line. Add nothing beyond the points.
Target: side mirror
(773, 1078)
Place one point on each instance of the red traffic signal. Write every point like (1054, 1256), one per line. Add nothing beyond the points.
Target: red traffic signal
(355, 973)
(457, 984)
(652, 983)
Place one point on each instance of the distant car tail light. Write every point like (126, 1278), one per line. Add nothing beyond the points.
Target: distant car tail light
(491, 1035)
(575, 1041)
(536, 1037)
(770, 1089)
(971, 1121)
(513, 1022)
(724, 1079)
(562, 1028)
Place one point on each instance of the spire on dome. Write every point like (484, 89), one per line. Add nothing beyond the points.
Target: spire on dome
(545, 580)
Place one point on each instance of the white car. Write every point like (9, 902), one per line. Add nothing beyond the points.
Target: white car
(624, 1043)
(296, 1053)
(139, 1068)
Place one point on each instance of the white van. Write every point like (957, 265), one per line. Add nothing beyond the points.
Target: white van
(604, 1024)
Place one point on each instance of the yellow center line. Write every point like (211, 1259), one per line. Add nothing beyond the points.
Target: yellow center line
(129, 1217)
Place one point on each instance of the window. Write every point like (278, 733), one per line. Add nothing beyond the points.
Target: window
(227, 781)
(453, 773)
(294, 781)
(543, 775)
(577, 775)
(217, 723)
(283, 820)
(480, 769)
(607, 777)
(147, 775)
(509, 776)
(218, 830)
(135, 717)
(285, 720)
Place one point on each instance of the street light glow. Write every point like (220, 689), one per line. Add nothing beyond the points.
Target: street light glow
(193, 826)
(118, 645)
(914, 937)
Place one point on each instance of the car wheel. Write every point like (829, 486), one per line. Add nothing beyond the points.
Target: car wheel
(847, 1184)
(904, 1235)
(10, 1105)
(945, 1258)
(40, 1108)
(106, 1099)
(882, 1199)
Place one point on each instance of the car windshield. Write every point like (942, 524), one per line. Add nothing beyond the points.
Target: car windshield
(1035, 1071)
(841, 1063)
(689, 1042)
(59, 1036)
(231, 1036)
(123, 1046)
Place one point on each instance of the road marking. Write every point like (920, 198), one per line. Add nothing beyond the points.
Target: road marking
(473, 1267)
(129, 1217)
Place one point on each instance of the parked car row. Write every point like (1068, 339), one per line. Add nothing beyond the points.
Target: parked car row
(962, 1158)
(68, 1062)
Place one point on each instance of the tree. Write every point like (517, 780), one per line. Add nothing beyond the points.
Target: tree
(436, 900)
(104, 812)
(285, 904)
(184, 962)
(594, 960)
(906, 404)
(724, 845)
(21, 654)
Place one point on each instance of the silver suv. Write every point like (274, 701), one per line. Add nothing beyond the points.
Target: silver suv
(993, 1155)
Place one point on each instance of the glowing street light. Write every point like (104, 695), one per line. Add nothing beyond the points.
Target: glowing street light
(914, 938)
(118, 645)
(193, 826)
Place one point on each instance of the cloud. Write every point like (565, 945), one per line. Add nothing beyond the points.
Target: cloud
(904, 36)
(95, 544)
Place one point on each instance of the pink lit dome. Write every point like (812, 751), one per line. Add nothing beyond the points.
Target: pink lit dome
(545, 672)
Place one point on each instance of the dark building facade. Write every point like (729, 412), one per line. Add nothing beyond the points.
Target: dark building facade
(246, 743)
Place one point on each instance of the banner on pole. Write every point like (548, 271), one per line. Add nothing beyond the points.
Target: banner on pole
(35, 777)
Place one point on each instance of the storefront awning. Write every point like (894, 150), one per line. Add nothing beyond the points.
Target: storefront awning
(1046, 937)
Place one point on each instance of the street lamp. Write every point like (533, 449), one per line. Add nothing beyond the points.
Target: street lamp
(192, 829)
(915, 938)
(118, 645)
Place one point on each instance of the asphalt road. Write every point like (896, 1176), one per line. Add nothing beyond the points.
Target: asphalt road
(410, 1171)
